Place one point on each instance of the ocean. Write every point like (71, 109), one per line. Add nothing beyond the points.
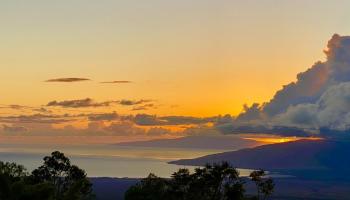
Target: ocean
(107, 160)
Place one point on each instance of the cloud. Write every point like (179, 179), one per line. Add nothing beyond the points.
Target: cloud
(79, 103)
(41, 110)
(144, 107)
(234, 128)
(311, 84)
(15, 107)
(158, 131)
(103, 117)
(318, 100)
(331, 111)
(107, 124)
(67, 80)
(115, 82)
(250, 113)
(126, 102)
(88, 102)
(14, 128)
(153, 120)
(36, 118)
(124, 128)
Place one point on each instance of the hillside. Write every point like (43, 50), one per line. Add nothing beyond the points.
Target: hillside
(298, 155)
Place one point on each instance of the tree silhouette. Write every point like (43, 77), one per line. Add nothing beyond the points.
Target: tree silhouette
(212, 182)
(56, 179)
(265, 186)
(68, 180)
(150, 188)
(16, 185)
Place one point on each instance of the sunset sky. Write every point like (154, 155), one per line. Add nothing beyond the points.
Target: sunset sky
(198, 58)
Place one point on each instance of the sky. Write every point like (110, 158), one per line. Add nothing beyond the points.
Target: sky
(159, 58)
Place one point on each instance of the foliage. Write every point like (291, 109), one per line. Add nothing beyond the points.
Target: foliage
(56, 179)
(15, 184)
(212, 182)
(68, 180)
(265, 186)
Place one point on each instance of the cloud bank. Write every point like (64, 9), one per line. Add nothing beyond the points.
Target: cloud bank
(104, 124)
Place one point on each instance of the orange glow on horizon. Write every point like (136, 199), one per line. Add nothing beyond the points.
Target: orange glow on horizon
(275, 140)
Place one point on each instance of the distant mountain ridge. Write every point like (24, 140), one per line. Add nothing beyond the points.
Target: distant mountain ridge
(197, 142)
(297, 155)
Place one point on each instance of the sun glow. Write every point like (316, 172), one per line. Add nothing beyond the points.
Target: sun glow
(274, 140)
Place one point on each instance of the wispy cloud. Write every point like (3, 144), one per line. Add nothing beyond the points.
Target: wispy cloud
(14, 128)
(79, 103)
(14, 107)
(144, 107)
(68, 80)
(36, 118)
(88, 102)
(153, 120)
(127, 102)
(115, 82)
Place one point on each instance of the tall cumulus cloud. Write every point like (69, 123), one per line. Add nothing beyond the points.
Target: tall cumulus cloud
(318, 100)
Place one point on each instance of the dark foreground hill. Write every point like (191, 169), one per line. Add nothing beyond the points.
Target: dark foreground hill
(306, 158)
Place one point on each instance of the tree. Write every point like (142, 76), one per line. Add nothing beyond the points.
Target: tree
(212, 182)
(150, 188)
(15, 185)
(9, 173)
(180, 184)
(69, 181)
(56, 179)
(216, 182)
(265, 186)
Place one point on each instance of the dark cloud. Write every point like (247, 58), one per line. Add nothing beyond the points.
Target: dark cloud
(180, 120)
(126, 102)
(103, 117)
(153, 120)
(253, 112)
(147, 120)
(232, 128)
(79, 103)
(115, 82)
(68, 80)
